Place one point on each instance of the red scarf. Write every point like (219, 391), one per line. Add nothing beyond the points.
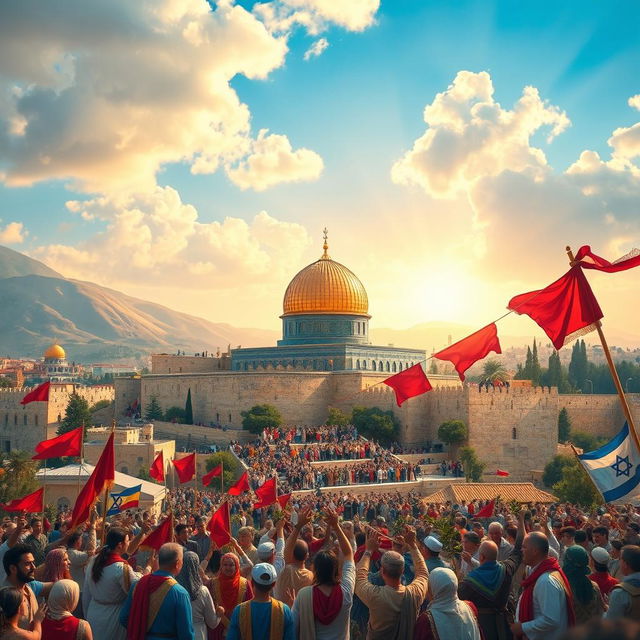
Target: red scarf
(327, 608)
(526, 599)
(229, 585)
(139, 612)
(113, 558)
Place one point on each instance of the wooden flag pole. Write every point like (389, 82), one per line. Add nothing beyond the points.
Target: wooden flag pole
(81, 462)
(221, 477)
(44, 488)
(614, 373)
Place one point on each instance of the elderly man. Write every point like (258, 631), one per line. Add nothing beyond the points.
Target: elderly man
(167, 604)
(496, 535)
(393, 608)
(489, 585)
(624, 599)
(432, 549)
(545, 607)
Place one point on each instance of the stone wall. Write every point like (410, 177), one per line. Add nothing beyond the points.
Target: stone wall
(167, 363)
(599, 415)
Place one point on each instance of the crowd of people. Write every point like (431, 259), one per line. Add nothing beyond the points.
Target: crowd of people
(330, 566)
(362, 461)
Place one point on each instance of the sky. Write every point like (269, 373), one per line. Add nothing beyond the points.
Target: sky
(191, 153)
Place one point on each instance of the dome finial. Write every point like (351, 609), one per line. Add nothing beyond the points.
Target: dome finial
(325, 246)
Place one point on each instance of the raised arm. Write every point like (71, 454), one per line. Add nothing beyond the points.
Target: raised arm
(304, 517)
(345, 546)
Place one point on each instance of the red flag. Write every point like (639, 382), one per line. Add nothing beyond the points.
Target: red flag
(502, 473)
(267, 492)
(39, 394)
(409, 383)
(219, 527)
(469, 350)
(284, 500)
(31, 503)
(214, 473)
(566, 309)
(241, 485)
(486, 511)
(102, 477)
(185, 468)
(590, 260)
(68, 444)
(156, 471)
(162, 534)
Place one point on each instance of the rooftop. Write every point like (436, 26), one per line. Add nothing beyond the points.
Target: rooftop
(518, 491)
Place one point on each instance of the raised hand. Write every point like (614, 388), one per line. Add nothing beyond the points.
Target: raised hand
(373, 540)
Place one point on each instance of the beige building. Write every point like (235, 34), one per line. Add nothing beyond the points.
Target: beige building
(23, 426)
(135, 448)
(63, 484)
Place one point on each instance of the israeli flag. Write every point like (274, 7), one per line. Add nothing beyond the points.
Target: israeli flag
(614, 467)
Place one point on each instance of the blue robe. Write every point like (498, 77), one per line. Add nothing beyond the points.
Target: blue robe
(174, 618)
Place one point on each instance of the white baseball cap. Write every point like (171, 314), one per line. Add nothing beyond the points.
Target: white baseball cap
(264, 573)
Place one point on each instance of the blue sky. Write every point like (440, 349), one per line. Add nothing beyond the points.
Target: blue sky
(427, 243)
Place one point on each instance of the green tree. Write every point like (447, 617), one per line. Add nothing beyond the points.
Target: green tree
(493, 370)
(453, 433)
(564, 425)
(556, 374)
(188, 409)
(587, 441)
(576, 487)
(175, 414)
(376, 424)
(433, 366)
(17, 475)
(230, 468)
(101, 404)
(536, 370)
(144, 474)
(260, 417)
(473, 467)
(76, 414)
(578, 365)
(153, 411)
(553, 469)
(337, 418)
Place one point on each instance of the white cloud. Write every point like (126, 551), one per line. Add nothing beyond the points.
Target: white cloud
(470, 136)
(316, 15)
(13, 233)
(634, 101)
(157, 239)
(316, 49)
(103, 94)
(271, 161)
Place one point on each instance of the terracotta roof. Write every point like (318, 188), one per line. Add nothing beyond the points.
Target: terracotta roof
(520, 491)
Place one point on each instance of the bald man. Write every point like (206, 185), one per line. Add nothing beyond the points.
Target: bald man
(488, 585)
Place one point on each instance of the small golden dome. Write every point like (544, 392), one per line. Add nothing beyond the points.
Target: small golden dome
(55, 351)
(325, 287)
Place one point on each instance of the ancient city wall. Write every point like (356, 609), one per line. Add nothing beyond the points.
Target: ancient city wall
(599, 415)
(162, 363)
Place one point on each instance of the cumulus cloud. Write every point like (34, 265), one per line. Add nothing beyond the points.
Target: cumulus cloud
(13, 233)
(316, 49)
(469, 135)
(272, 161)
(156, 238)
(103, 94)
(315, 15)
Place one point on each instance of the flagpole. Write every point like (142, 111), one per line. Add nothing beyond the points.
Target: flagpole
(106, 496)
(577, 455)
(614, 373)
(81, 462)
(44, 488)
(222, 477)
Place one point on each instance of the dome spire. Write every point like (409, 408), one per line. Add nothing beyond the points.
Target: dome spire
(325, 246)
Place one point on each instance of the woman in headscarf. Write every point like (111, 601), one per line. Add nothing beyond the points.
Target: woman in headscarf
(56, 566)
(588, 602)
(229, 589)
(447, 616)
(60, 623)
(203, 612)
(11, 606)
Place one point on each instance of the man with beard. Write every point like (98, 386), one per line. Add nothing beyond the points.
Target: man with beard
(20, 567)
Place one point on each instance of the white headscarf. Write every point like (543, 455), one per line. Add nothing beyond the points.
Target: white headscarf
(452, 617)
(63, 599)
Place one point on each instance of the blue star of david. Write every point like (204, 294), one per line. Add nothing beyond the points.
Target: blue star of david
(622, 466)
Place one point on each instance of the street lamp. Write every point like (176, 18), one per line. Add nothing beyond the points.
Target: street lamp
(591, 383)
(626, 384)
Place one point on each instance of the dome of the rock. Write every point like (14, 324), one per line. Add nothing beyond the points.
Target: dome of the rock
(55, 351)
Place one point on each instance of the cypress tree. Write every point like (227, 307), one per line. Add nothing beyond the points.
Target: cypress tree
(76, 414)
(188, 409)
(536, 369)
(153, 411)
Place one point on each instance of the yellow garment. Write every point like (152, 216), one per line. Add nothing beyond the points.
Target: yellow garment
(276, 631)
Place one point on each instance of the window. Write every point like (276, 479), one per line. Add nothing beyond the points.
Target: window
(139, 458)
(229, 417)
(373, 365)
(36, 420)
(24, 419)
(124, 469)
(357, 364)
(514, 434)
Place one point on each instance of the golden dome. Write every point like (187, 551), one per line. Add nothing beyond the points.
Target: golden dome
(325, 286)
(55, 351)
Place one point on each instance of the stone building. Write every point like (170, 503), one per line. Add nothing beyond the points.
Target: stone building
(23, 426)
(55, 365)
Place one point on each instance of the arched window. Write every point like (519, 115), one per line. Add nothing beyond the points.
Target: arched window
(373, 365)
(514, 434)
(364, 364)
(394, 368)
(357, 364)
(124, 469)
(387, 366)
